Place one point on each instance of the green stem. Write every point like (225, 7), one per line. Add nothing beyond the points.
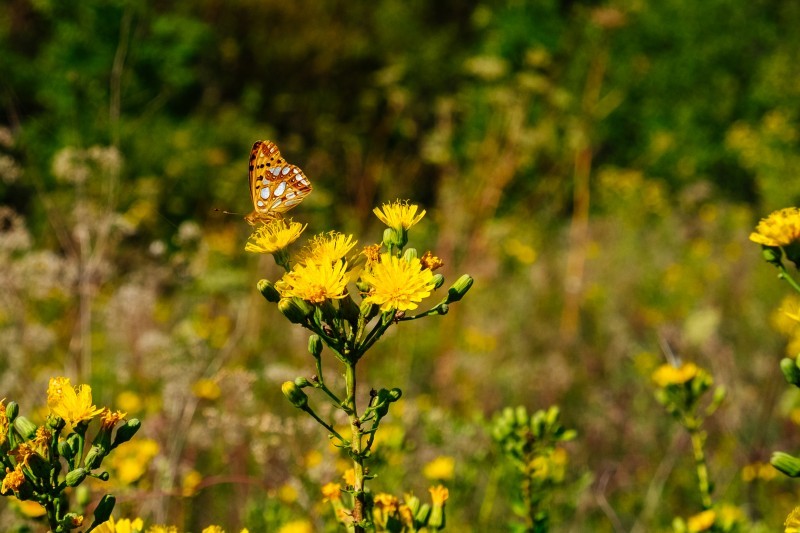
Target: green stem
(698, 443)
(784, 275)
(432, 311)
(355, 448)
(327, 426)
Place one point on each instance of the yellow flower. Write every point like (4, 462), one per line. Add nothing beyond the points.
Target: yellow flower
(13, 480)
(287, 493)
(372, 253)
(296, 526)
(441, 468)
(387, 502)
(349, 477)
(327, 248)
(397, 283)
(124, 525)
(109, 418)
(42, 439)
(74, 405)
(430, 261)
(399, 215)
(31, 509)
(780, 228)
(315, 283)
(667, 374)
(129, 401)
(131, 461)
(206, 389)
(332, 492)
(439, 495)
(190, 483)
(701, 521)
(213, 529)
(162, 529)
(274, 236)
(792, 522)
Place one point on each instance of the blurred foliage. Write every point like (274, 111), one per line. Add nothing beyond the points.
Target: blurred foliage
(595, 166)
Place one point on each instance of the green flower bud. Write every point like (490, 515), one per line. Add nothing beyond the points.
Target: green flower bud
(363, 287)
(293, 310)
(397, 237)
(459, 288)
(412, 502)
(790, 371)
(771, 254)
(786, 463)
(410, 254)
(12, 410)
(294, 394)
(103, 476)
(436, 519)
(25, 427)
(95, 457)
(71, 521)
(368, 310)
(301, 382)
(76, 477)
(315, 345)
(126, 432)
(438, 281)
(443, 309)
(423, 513)
(104, 509)
(74, 440)
(268, 291)
(65, 450)
(349, 309)
(56, 423)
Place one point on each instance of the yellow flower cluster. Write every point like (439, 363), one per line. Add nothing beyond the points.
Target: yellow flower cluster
(73, 404)
(667, 374)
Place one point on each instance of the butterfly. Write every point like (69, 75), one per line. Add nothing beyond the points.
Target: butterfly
(275, 185)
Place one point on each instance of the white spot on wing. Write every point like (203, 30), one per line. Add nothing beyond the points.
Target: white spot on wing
(286, 170)
(265, 193)
(260, 203)
(280, 188)
(275, 204)
(275, 171)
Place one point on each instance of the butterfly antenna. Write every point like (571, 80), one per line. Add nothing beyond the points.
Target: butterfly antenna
(227, 212)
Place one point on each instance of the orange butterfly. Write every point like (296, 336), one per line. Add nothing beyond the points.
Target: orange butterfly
(275, 185)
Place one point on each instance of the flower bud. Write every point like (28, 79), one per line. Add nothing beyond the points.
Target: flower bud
(268, 291)
(438, 281)
(56, 423)
(301, 382)
(790, 371)
(395, 237)
(75, 442)
(75, 477)
(104, 509)
(103, 476)
(71, 521)
(443, 309)
(65, 450)
(315, 345)
(95, 457)
(786, 463)
(12, 410)
(410, 254)
(294, 394)
(25, 427)
(126, 431)
(459, 288)
(422, 514)
(771, 254)
(291, 309)
(412, 502)
(368, 309)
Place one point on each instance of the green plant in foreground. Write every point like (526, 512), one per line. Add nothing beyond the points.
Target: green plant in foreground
(316, 293)
(531, 442)
(34, 457)
(680, 388)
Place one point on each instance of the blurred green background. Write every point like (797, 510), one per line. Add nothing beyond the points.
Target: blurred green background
(595, 166)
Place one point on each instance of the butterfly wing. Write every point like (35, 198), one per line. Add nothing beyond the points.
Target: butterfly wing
(275, 185)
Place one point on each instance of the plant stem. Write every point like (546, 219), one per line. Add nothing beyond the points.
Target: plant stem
(698, 442)
(785, 276)
(355, 449)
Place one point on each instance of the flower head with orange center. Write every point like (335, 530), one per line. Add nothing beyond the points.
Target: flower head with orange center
(430, 261)
(109, 418)
(73, 404)
(439, 495)
(332, 491)
(667, 374)
(327, 248)
(13, 480)
(780, 228)
(315, 283)
(399, 215)
(398, 284)
(274, 236)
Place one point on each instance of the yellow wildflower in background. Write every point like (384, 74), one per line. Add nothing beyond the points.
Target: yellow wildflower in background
(667, 374)
(274, 236)
(792, 522)
(31, 509)
(315, 283)
(124, 525)
(397, 283)
(349, 477)
(213, 529)
(297, 526)
(3, 422)
(399, 215)
(701, 521)
(327, 248)
(206, 389)
(130, 462)
(129, 401)
(190, 483)
(780, 228)
(387, 502)
(332, 491)
(441, 468)
(73, 404)
(162, 529)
